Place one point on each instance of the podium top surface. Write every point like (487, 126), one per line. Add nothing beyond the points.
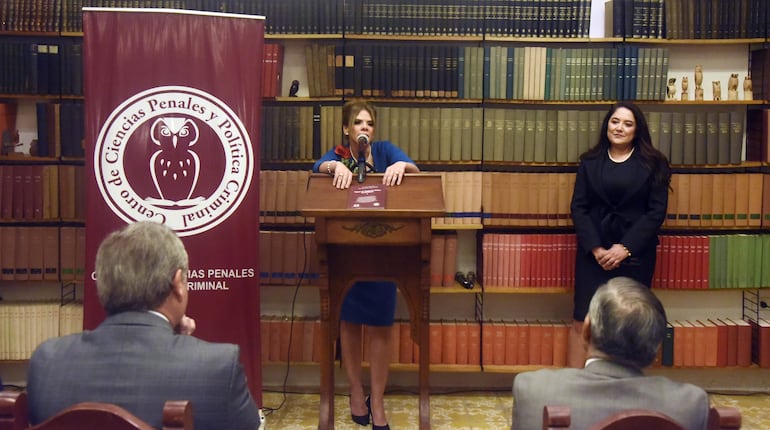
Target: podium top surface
(419, 195)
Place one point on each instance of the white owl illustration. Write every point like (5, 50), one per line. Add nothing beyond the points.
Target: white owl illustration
(174, 167)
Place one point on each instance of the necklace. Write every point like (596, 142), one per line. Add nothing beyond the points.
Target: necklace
(622, 158)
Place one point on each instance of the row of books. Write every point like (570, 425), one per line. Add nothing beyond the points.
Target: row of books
(282, 192)
(288, 258)
(272, 70)
(60, 129)
(568, 18)
(42, 192)
(683, 261)
(697, 201)
(697, 137)
(713, 342)
(712, 19)
(719, 200)
(25, 325)
(443, 260)
(48, 68)
(42, 253)
(490, 72)
(716, 342)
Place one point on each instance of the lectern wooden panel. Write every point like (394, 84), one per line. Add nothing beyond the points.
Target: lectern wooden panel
(390, 243)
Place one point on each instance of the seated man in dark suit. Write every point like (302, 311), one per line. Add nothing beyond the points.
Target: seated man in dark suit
(624, 327)
(142, 355)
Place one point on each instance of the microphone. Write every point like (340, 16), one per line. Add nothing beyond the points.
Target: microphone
(363, 140)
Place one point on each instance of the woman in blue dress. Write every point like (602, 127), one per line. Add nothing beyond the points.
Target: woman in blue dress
(369, 303)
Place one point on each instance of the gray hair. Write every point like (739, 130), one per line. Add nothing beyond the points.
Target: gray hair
(628, 322)
(135, 266)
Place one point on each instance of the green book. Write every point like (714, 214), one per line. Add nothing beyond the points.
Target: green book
(723, 140)
(529, 135)
(435, 135)
(551, 135)
(508, 135)
(519, 134)
(445, 134)
(540, 135)
(653, 123)
(700, 138)
(424, 152)
(664, 144)
(478, 131)
(572, 132)
(467, 134)
(489, 133)
(414, 132)
(677, 138)
(712, 137)
(584, 137)
(499, 133)
(562, 137)
(736, 135)
(456, 133)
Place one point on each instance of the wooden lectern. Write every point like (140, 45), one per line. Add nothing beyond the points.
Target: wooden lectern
(392, 243)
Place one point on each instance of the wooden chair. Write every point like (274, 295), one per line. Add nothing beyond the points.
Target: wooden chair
(177, 415)
(13, 410)
(720, 418)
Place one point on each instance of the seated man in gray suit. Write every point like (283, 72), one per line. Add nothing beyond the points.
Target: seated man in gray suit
(142, 355)
(624, 327)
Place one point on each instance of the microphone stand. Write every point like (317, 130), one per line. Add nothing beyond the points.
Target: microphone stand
(361, 166)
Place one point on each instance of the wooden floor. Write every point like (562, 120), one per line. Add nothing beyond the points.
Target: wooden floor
(468, 410)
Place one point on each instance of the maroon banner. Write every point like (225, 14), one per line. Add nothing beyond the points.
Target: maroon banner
(173, 114)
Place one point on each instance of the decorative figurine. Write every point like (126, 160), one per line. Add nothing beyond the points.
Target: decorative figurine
(747, 90)
(685, 86)
(716, 88)
(294, 88)
(671, 89)
(699, 82)
(732, 87)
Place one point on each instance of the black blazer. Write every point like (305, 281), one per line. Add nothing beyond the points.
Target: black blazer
(634, 221)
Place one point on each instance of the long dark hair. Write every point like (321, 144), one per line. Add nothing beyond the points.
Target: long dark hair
(654, 160)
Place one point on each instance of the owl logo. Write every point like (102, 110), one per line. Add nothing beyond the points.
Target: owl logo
(174, 167)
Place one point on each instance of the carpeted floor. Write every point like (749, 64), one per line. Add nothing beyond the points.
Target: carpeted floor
(469, 411)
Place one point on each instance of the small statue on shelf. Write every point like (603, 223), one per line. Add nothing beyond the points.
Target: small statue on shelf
(685, 87)
(716, 88)
(732, 87)
(747, 89)
(294, 88)
(671, 89)
(698, 82)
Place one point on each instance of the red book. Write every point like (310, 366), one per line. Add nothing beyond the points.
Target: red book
(722, 334)
(7, 253)
(437, 242)
(21, 266)
(450, 260)
(546, 344)
(511, 343)
(307, 339)
(732, 342)
(523, 343)
(462, 333)
(711, 342)
(36, 188)
(275, 339)
(743, 357)
(699, 344)
(18, 192)
(296, 344)
(36, 249)
(50, 253)
(488, 343)
(678, 343)
(395, 343)
(284, 336)
(448, 342)
(498, 343)
(560, 343)
(317, 344)
(762, 347)
(474, 343)
(7, 188)
(535, 343)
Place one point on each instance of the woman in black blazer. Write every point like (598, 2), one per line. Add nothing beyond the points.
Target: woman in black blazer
(618, 205)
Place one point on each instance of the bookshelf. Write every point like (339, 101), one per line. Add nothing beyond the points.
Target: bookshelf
(342, 27)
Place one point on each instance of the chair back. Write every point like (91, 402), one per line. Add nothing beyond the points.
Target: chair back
(720, 418)
(13, 410)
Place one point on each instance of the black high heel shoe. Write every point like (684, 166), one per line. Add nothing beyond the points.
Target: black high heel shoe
(362, 420)
(375, 426)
